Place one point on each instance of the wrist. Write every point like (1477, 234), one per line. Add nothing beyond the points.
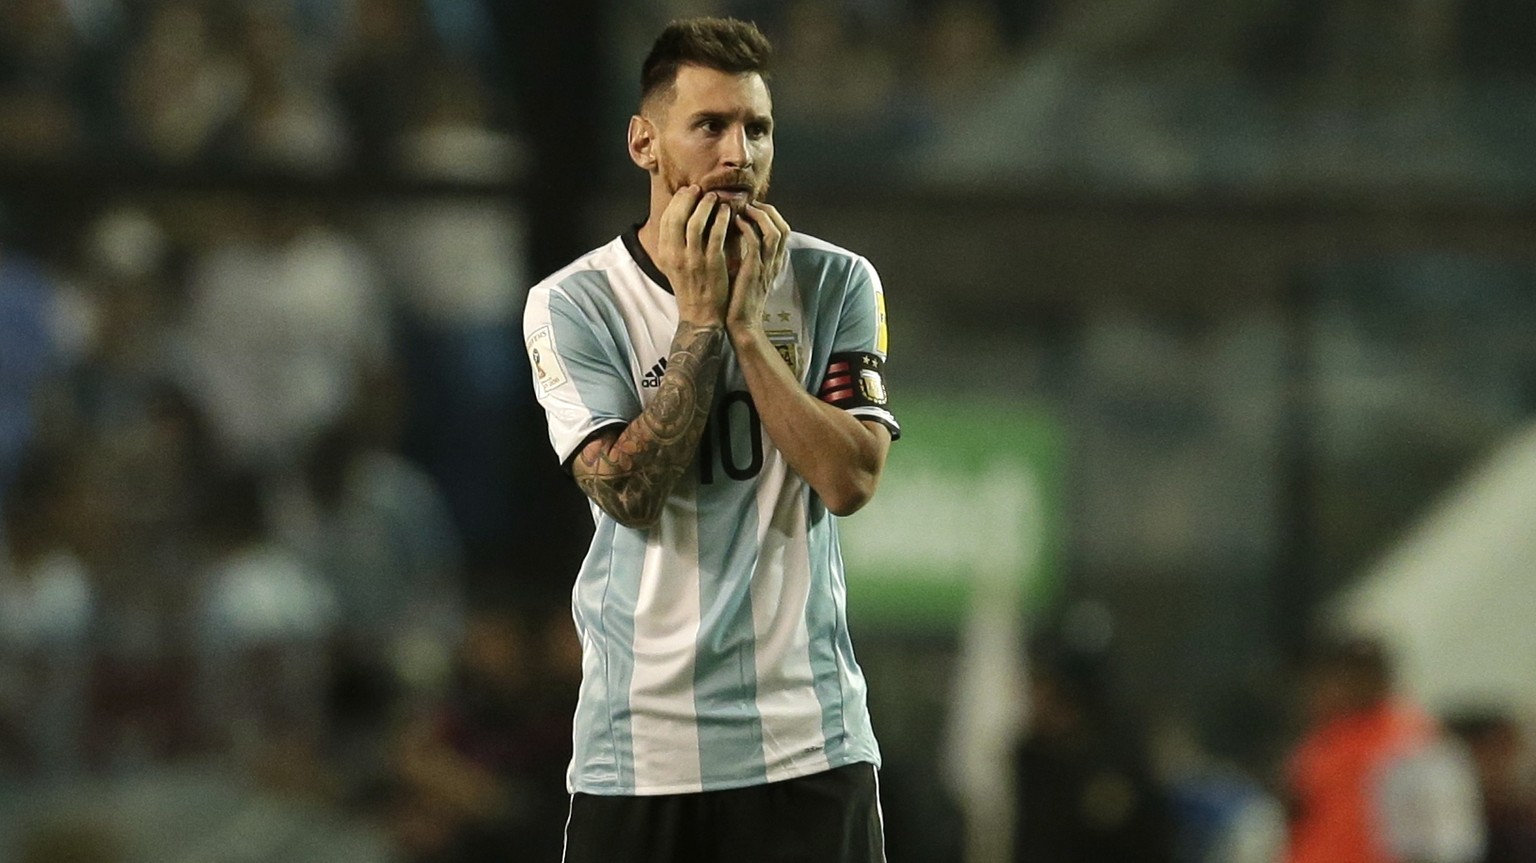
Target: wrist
(744, 327)
(701, 318)
(744, 332)
(714, 334)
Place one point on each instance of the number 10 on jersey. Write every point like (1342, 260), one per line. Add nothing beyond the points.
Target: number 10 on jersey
(718, 443)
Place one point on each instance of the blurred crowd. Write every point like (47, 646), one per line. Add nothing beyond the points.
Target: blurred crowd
(1152, 91)
(321, 87)
(258, 452)
(258, 496)
(1360, 773)
(309, 86)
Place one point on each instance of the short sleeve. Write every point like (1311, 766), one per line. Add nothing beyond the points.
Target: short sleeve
(855, 377)
(861, 326)
(580, 377)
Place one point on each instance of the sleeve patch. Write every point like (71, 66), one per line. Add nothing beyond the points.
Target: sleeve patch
(882, 340)
(548, 371)
(854, 380)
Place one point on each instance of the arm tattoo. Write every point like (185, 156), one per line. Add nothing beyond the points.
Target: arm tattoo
(630, 476)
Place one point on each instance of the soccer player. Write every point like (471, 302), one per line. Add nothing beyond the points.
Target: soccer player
(715, 384)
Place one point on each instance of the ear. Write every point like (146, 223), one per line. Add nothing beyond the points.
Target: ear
(642, 142)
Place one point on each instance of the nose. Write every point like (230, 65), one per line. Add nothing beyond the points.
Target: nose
(736, 151)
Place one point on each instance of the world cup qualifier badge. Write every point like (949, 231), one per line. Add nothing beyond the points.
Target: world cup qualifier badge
(548, 372)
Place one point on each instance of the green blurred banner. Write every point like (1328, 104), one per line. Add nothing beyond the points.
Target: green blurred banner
(972, 492)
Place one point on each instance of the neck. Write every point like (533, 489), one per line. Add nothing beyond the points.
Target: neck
(650, 235)
(650, 232)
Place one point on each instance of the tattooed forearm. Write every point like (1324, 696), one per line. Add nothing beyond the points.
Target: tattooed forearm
(630, 473)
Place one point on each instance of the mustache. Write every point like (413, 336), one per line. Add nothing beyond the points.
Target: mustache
(735, 179)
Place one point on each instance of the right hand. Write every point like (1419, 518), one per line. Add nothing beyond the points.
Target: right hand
(692, 257)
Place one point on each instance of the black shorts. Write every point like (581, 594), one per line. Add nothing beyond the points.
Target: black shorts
(831, 817)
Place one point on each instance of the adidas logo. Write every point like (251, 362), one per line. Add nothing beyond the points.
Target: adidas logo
(652, 378)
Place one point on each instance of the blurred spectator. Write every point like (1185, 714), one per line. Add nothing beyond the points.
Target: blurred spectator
(151, 472)
(265, 624)
(27, 353)
(845, 79)
(1221, 813)
(152, 446)
(963, 52)
(121, 265)
(831, 67)
(374, 527)
(386, 46)
(457, 267)
(181, 85)
(1085, 788)
(363, 710)
(485, 773)
(289, 120)
(1373, 780)
(44, 80)
(43, 328)
(285, 318)
(1158, 35)
(1498, 748)
(47, 609)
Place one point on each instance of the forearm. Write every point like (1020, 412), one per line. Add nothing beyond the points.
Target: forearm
(837, 453)
(630, 474)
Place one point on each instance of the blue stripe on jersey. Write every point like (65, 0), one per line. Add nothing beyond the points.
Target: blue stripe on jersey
(605, 612)
(859, 735)
(821, 616)
(858, 320)
(808, 265)
(600, 370)
(725, 676)
(599, 367)
(821, 312)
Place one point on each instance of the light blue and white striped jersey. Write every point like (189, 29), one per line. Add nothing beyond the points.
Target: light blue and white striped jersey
(715, 644)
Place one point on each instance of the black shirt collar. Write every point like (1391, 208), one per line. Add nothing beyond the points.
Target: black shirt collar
(631, 239)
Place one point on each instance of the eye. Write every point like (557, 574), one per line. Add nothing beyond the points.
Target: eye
(711, 126)
(757, 130)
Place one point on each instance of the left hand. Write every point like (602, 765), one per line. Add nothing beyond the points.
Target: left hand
(764, 246)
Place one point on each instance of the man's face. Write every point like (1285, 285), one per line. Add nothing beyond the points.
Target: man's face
(716, 131)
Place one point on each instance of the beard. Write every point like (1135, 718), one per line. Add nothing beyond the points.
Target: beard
(755, 185)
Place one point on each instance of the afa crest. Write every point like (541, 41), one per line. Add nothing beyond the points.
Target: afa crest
(787, 343)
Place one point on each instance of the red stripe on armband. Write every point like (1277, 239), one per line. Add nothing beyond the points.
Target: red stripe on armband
(854, 380)
(838, 396)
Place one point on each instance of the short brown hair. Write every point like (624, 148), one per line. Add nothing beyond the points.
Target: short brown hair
(1365, 662)
(722, 44)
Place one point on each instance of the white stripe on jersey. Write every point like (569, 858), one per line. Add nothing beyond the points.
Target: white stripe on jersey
(793, 741)
(666, 623)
